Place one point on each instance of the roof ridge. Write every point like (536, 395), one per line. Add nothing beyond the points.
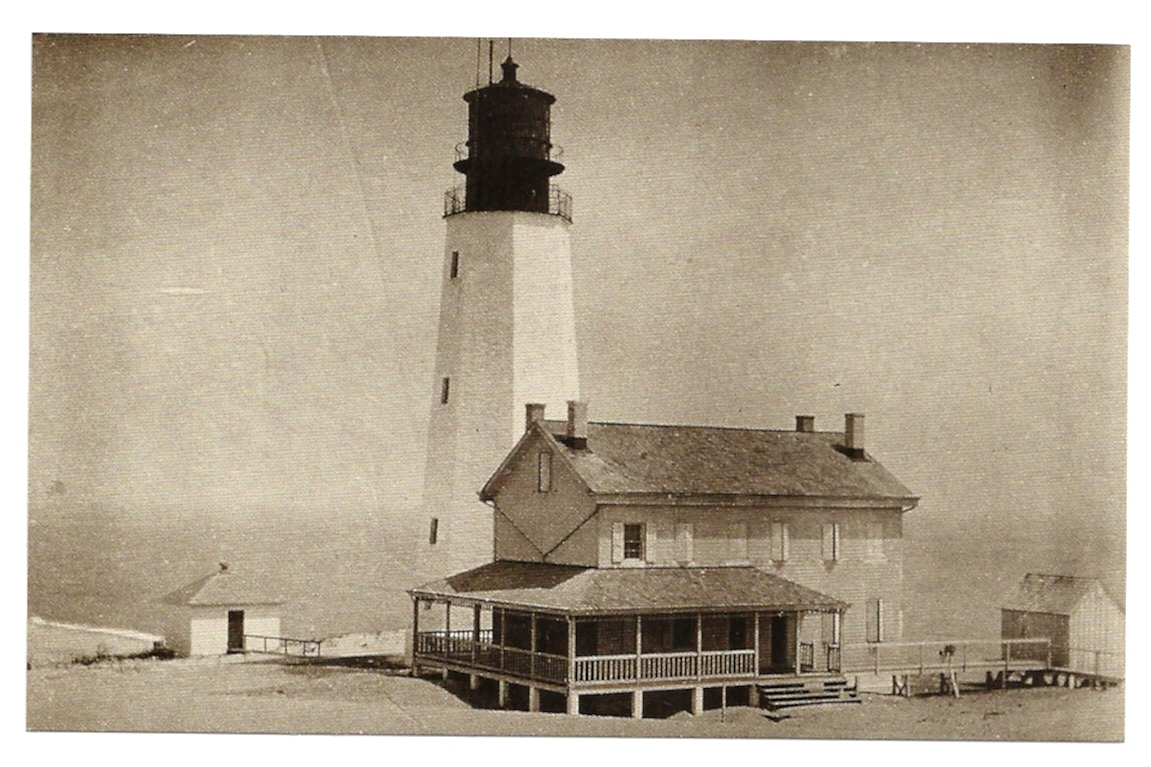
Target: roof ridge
(696, 426)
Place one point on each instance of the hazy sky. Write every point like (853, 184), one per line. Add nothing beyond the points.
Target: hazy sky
(237, 244)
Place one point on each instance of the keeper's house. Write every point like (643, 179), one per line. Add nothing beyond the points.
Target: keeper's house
(647, 569)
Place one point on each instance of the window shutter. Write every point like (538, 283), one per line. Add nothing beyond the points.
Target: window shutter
(649, 543)
(831, 542)
(875, 620)
(737, 542)
(779, 541)
(683, 542)
(617, 542)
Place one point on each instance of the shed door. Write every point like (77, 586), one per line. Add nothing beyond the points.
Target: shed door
(235, 631)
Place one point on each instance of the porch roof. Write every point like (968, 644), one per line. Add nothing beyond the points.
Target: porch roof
(589, 590)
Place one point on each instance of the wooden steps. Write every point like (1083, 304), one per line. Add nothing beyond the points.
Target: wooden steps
(805, 692)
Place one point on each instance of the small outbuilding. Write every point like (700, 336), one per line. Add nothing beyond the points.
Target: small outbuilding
(226, 613)
(1085, 625)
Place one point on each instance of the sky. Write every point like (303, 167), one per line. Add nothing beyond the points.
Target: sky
(236, 248)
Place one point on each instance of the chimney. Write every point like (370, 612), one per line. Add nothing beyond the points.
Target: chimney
(853, 434)
(534, 411)
(577, 425)
(805, 423)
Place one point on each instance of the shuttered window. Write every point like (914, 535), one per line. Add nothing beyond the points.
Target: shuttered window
(779, 541)
(875, 620)
(684, 542)
(737, 542)
(831, 542)
(627, 541)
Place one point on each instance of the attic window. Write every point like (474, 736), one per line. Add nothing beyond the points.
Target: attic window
(445, 387)
(545, 472)
(454, 271)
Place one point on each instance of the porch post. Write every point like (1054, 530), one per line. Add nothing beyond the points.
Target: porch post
(502, 692)
(637, 704)
(447, 634)
(755, 641)
(638, 652)
(571, 675)
(415, 636)
(533, 699)
(475, 633)
(573, 702)
(697, 700)
(797, 637)
(532, 644)
(699, 654)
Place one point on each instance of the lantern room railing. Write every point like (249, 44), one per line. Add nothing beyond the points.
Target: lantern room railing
(559, 202)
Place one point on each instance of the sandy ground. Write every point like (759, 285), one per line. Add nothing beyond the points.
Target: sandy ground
(228, 695)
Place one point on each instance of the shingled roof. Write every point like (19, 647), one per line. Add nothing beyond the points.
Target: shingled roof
(589, 590)
(1056, 594)
(639, 458)
(223, 587)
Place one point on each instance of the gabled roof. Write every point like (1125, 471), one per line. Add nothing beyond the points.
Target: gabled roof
(623, 458)
(1056, 594)
(589, 590)
(222, 587)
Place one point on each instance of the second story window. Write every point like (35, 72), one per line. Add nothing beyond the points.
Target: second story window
(633, 541)
(779, 541)
(831, 542)
(545, 472)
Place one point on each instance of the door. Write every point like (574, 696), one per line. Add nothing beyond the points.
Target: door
(235, 631)
(779, 643)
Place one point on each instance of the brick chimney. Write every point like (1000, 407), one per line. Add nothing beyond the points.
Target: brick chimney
(533, 412)
(577, 425)
(805, 423)
(853, 434)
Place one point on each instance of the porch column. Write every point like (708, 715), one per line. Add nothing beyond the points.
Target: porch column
(415, 636)
(502, 692)
(797, 643)
(533, 699)
(637, 704)
(755, 642)
(475, 633)
(573, 703)
(697, 700)
(447, 635)
(638, 652)
(532, 645)
(699, 653)
(571, 671)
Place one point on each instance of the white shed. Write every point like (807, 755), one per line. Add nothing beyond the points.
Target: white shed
(226, 613)
(1085, 625)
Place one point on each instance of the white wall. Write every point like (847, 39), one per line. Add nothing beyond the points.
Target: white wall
(209, 626)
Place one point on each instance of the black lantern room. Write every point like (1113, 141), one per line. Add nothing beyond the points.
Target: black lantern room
(509, 159)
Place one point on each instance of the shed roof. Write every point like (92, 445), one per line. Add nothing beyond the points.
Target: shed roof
(590, 590)
(684, 460)
(223, 587)
(1056, 594)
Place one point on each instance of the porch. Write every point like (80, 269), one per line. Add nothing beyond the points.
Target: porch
(563, 652)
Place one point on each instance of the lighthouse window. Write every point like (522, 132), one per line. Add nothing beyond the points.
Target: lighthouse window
(445, 385)
(455, 270)
(433, 531)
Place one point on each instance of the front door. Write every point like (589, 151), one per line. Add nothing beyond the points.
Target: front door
(235, 631)
(779, 643)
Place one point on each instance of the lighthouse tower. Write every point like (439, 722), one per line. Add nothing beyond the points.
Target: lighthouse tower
(507, 320)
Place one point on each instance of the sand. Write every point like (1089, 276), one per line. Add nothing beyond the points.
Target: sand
(233, 695)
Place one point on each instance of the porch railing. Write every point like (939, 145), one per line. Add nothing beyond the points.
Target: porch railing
(686, 665)
(300, 648)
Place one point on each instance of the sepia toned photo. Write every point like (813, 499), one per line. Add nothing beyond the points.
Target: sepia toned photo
(578, 387)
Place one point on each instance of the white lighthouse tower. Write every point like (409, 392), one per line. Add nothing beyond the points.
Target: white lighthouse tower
(507, 320)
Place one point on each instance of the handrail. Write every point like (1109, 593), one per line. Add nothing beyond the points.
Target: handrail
(282, 644)
(559, 202)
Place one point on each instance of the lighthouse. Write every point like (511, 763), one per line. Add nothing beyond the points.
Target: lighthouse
(507, 319)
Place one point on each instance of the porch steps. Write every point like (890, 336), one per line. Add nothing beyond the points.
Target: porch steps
(798, 692)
